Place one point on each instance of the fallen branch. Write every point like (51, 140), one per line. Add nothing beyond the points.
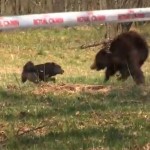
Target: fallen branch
(31, 130)
(90, 45)
(25, 132)
(104, 43)
(34, 129)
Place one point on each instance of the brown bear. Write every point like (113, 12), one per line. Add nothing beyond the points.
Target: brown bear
(126, 54)
(40, 72)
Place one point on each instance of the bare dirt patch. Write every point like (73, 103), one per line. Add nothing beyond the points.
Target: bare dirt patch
(70, 88)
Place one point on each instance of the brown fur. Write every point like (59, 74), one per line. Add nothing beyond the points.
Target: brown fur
(40, 72)
(127, 53)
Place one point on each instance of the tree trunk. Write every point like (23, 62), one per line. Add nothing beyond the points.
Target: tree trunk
(115, 28)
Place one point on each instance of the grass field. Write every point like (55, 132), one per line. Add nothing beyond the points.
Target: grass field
(71, 114)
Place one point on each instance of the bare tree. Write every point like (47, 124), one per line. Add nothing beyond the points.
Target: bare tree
(116, 28)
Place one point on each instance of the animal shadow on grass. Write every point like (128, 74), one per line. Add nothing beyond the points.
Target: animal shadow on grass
(89, 102)
(64, 105)
(16, 106)
(85, 138)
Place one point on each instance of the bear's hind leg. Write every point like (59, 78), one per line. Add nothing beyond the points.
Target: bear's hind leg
(136, 72)
(124, 71)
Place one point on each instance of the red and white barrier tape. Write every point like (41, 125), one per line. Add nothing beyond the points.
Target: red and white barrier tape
(74, 18)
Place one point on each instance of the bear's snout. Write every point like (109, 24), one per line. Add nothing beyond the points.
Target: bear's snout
(62, 71)
(93, 66)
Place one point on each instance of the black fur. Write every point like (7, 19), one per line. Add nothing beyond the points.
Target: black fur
(40, 72)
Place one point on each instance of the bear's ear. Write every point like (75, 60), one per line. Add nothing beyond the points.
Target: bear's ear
(108, 52)
(104, 52)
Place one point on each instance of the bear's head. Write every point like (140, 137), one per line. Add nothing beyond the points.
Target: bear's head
(102, 60)
(57, 69)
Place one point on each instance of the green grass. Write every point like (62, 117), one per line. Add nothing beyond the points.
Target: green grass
(116, 119)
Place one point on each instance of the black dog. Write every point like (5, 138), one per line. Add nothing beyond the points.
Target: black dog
(41, 72)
